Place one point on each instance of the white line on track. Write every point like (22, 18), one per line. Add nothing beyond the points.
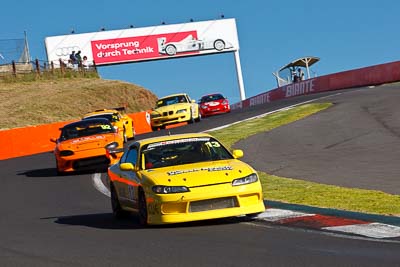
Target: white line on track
(99, 185)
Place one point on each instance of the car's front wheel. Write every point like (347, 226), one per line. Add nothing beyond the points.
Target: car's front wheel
(198, 118)
(143, 215)
(118, 212)
(170, 50)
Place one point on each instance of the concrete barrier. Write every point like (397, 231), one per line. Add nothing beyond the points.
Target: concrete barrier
(36, 139)
(373, 75)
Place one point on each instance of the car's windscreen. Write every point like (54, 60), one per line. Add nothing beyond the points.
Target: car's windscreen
(183, 151)
(110, 117)
(85, 129)
(211, 98)
(171, 100)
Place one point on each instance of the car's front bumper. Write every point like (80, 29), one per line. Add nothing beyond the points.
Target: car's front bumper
(202, 203)
(214, 110)
(165, 120)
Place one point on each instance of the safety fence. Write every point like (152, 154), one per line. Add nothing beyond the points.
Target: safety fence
(40, 69)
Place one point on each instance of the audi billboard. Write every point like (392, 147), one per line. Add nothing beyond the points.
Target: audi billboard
(147, 43)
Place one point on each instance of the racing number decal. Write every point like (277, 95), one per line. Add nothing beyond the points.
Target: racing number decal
(105, 127)
(213, 144)
(131, 192)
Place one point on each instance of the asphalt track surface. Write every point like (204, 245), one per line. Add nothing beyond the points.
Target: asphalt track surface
(64, 221)
(353, 144)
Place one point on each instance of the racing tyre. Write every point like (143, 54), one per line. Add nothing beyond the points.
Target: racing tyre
(118, 212)
(59, 173)
(191, 119)
(143, 215)
(253, 216)
(198, 118)
(170, 50)
(219, 45)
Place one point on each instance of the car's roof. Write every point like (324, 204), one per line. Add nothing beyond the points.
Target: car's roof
(171, 137)
(172, 95)
(212, 94)
(87, 122)
(100, 112)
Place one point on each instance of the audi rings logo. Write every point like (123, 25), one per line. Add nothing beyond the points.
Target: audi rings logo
(65, 51)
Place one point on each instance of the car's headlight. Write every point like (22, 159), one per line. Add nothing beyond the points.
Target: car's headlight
(65, 153)
(252, 178)
(111, 146)
(162, 189)
(181, 111)
(204, 106)
(153, 116)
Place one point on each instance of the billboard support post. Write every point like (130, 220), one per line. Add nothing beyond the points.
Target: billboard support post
(239, 76)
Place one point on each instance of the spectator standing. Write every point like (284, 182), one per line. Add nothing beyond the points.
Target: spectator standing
(78, 58)
(72, 57)
(85, 63)
(301, 74)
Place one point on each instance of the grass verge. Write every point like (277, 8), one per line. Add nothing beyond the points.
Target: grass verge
(301, 192)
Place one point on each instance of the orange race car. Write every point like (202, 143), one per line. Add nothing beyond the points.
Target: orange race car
(119, 119)
(84, 145)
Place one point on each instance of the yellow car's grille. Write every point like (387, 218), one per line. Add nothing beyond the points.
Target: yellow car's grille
(213, 204)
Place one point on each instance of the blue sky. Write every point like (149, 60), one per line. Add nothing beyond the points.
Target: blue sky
(343, 34)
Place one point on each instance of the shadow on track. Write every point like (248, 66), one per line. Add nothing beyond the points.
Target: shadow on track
(107, 221)
(52, 172)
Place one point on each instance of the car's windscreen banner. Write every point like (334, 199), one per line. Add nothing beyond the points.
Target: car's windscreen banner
(148, 43)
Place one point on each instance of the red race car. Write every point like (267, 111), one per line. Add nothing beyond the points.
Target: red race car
(212, 104)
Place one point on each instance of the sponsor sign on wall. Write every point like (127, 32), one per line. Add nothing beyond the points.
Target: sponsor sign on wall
(148, 43)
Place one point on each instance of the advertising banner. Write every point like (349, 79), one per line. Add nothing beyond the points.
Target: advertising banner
(148, 43)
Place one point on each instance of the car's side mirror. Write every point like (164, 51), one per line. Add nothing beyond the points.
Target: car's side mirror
(126, 166)
(193, 101)
(54, 140)
(237, 153)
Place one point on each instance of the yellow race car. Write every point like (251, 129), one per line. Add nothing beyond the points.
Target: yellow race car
(119, 119)
(174, 109)
(182, 178)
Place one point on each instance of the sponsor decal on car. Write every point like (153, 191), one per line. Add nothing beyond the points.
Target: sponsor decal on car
(179, 141)
(89, 138)
(209, 169)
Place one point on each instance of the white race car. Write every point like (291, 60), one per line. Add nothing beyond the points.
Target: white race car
(191, 44)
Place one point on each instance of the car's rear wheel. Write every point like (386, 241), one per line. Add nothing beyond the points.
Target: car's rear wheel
(117, 210)
(143, 215)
